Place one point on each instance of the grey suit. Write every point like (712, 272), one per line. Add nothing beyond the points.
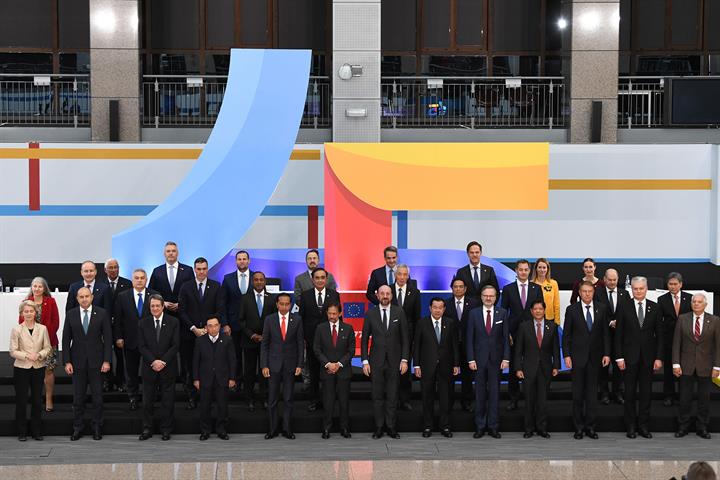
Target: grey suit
(696, 358)
(304, 282)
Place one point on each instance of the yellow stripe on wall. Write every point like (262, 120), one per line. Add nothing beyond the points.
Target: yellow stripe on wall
(124, 153)
(700, 184)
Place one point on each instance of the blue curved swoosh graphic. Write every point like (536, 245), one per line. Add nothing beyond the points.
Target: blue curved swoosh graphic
(237, 171)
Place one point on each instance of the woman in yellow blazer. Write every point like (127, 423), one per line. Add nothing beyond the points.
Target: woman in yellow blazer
(30, 347)
(549, 287)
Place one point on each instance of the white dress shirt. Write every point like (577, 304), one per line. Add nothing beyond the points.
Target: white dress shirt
(337, 329)
(142, 295)
(585, 310)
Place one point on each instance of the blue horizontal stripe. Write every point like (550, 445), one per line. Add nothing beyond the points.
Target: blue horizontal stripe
(77, 211)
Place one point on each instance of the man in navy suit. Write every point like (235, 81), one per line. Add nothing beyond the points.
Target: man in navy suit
(458, 307)
(281, 360)
(87, 351)
(100, 292)
(167, 279)
(516, 299)
(117, 285)
(488, 354)
(475, 275)
(384, 275)
(235, 285)
(406, 296)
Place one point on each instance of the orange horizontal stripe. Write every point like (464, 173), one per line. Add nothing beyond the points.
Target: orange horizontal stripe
(124, 153)
(701, 184)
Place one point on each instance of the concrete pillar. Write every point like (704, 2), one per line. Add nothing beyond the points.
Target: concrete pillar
(594, 67)
(356, 42)
(114, 67)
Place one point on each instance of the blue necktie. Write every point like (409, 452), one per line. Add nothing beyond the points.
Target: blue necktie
(200, 290)
(243, 283)
(258, 301)
(140, 304)
(437, 330)
(86, 321)
(588, 318)
(391, 277)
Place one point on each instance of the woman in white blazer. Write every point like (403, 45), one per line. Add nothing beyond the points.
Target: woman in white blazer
(30, 347)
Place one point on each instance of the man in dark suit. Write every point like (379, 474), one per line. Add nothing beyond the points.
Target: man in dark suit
(611, 296)
(255, 306)
(213, 373)
(488, 354)
(303, 281)
(672, 304)
(516, 300)
(475, 275)
(384, 275)
(198, 301)
(313, 312)
(458, 307)
(87, 351)
(696, 359)
(537, 356)
(334, 347)
(436, 360)
(130, 307)
(586, 347)
(639, 349)
(117, 285)
(406, 296)
(101, 294)
(281, 360)
(386, 360)
(158, 342)
(235, 285)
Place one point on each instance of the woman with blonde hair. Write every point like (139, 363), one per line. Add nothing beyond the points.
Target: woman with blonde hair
(30, 347)
(549, 287)
(47, 315)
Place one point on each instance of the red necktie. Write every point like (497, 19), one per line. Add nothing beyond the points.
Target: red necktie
(334, 335)
(538, 333)
(283, 328)
(488, 322)
(697, 329)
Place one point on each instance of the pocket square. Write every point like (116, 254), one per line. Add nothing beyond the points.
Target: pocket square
(395, 320)
(498, 323)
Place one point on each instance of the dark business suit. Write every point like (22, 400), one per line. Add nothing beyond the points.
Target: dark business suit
(537, 364)
(281, 357)
(214, 366)
(87, 352)
(486, 276)
(389, 346)
(304, 282)
(251, 323)
(511, 302)
(601, 296)
(194, 312)
(378, 278)
(163, 346)
(313, 315)
(127, 323)
(436, 360)
(102, 295)
(488, 352)
(118, 378)
(586, 348)
(466, 375)
(667, 308)
(696, 357)
(335, 385)
(160, 283)
(411, 306)
(639, 347)
(233, 300)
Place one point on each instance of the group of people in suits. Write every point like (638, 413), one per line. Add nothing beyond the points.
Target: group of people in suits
(235, 334)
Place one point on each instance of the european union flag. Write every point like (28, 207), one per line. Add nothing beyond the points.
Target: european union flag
(354, 309)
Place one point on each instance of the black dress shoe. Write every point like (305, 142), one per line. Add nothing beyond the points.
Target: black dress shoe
(204, 436)
(620, 399)
(97, 435)
(631, 434)
(644, 433)
(591, 434)
(223, 436)
(405, 406)
(377, 434)
(265, 405)
(465, 406)
(578, 435)
(528, 434)
(494, 433)
(668, 402)
(133, 405)
(39, 438)
(269, 435)
(345, 433)
(312, 407)
(543, 434)
(165, 437)
(681, 433)
(703, 434)
(289, 435)
(251, 406)
(75, 436)
(511, 406)
(121, 388)
(325, 435)
(393, 434)
(145, 435)
(192, 405)
(22, 437)
(479, 434)
(426, 433)
(605, 399)
(446, 433)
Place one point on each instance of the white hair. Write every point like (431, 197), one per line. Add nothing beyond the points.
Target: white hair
(402, 265)
(111, 260)
(701, 295)
(638, 280)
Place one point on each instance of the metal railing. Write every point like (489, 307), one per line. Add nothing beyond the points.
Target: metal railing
(181, 101)
(474, 102)
(641, 102)
(63, 101)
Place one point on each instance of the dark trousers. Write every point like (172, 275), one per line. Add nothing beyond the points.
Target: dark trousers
(466, 380)
(28, 379)
(313, 366)
(236, 337)
(384, 388)
(286, 379)
(436, 384)
(405, 381)
(252, 375)
(119, 377)
(669, 379)
(132, 367)
(584, 394)
(82, 378)
(187, 347)
(219, 392)
(687, 383)
(487, 397)
(611, 374)
(535, 387)
(333, 388)
(152, 382)
(513, 382)
(637, 377)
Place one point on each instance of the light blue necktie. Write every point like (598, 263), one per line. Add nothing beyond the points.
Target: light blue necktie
(437, 330)
(259, 303)
(243, 283)
(391, 277)
(588, 318)
(140, 304)
(86, 321)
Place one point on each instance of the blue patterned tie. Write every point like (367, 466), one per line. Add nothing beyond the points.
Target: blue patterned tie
(588, 318)
(86, 321)
(258, 301)
(243, 283)
(140, 304)
(391, 277)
